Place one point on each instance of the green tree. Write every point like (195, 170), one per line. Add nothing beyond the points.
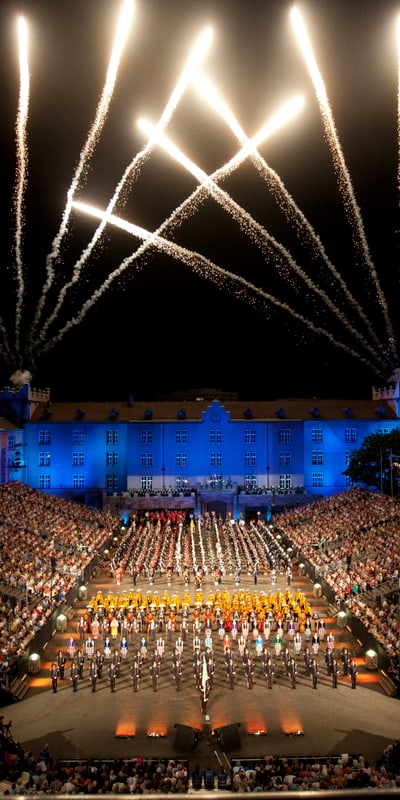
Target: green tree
(375, 464)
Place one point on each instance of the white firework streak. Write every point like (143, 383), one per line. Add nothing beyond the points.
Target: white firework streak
(251, 227)
(88, 148)
(344, 179)
(201, 265)
(398, 104)
(132, 171)
(288, 204)
(22, 169)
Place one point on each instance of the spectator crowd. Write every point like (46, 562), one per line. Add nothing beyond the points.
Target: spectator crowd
(353, 542)
(45, 545)
(41, 775)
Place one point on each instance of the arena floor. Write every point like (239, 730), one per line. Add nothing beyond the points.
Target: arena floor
(239, 722)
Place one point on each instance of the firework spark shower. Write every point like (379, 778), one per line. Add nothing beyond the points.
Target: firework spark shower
(271, 258)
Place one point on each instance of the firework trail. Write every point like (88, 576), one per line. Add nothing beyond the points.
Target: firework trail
(189, 205)
(88, 149)
(398, 104)
(344, 179)
(202, 266)
(267, 130)
(181, 213)
(287, 203)
(132, 171)
(22, 169)
(259, 235)
(287, 110)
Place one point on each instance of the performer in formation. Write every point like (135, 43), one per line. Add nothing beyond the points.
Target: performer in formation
(54, 673)
(261, 635)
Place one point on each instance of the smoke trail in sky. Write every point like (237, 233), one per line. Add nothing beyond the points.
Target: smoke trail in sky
(5, 343)
(20, 377)
(259, 235)
(342, 172)
(88, 148)
(285, 201)
(22, 169)
(197, 54)
(202, 266)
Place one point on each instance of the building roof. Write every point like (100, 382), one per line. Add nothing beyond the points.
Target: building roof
(6, 425)
(171, 410)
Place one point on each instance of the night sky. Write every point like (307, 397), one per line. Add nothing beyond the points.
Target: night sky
(160, 326)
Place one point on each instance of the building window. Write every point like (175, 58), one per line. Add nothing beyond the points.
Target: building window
(147, 459)
(78, 459)
(347, 457)
(317, 435)
(147, 437)
(112, 459)
(112, 436)
(215, 459)
(350, 435)
(317, 479)
(349, 481)
(285, 458)
(78, 481)
(112, 481)
(181, 482)
(250, 482)
(44, 481)
(285, 482)
(250, 459)
(44, 459)
(250, 437)
(181, 459)
(146, 482)
(180, 437)
(44, 437)
(383, 431)
(285, 436)
(78, 437)
(11, 440)
(215, 437)
(317, 457)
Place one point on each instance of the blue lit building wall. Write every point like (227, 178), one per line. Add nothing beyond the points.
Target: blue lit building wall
(214, 446)
(312, 453)
(57, 440)
(181, 452)
(336, 441)
(277, 433)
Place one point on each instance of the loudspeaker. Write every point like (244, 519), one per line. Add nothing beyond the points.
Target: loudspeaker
(229, 737)
(184, 738)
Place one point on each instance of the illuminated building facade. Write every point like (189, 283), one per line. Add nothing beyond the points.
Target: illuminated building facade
(222, 454)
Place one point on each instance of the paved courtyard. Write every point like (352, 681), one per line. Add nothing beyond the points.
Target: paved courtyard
(238, 723)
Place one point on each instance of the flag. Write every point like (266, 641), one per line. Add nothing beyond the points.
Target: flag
(204, 677)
